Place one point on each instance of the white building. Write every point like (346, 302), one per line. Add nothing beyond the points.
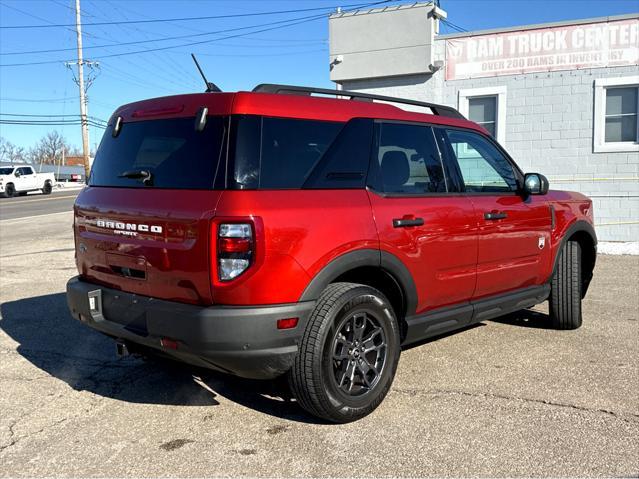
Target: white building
(561, 97)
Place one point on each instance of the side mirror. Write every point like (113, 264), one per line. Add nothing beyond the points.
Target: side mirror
(535, 184)
(18, 174)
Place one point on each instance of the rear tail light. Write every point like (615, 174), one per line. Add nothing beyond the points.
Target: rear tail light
(235, 249)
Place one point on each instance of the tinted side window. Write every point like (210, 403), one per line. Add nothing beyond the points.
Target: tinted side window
(291, 148)
(407, 160)
(345, 163)
(483, 167)
(278, 153)
(245, 151)
(25, 170)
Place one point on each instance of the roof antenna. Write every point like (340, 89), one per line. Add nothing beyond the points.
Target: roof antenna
(210, 87)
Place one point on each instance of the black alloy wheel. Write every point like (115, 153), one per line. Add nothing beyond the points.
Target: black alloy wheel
(359, 353)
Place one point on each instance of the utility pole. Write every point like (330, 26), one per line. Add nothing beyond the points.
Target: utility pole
(62, 162)
(83, 100)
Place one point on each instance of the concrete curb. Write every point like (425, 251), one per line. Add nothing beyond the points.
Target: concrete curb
(618, 248)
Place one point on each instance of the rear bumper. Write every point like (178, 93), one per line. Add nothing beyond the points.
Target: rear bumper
(243, 341)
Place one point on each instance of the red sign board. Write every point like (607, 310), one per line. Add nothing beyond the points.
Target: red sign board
(570, 47)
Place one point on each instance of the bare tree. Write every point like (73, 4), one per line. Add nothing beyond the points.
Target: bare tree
(49, 149)
(10, 153)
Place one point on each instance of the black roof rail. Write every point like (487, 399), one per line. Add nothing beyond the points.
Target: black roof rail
(440, 110)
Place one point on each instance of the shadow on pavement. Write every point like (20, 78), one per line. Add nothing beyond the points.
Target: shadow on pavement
(441, 336)
(526, 318)
(53, 341)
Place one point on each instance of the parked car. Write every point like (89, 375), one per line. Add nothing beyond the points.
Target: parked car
(21, 179)
(274, 232)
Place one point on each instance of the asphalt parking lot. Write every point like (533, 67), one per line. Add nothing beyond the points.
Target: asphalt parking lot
(505, 398)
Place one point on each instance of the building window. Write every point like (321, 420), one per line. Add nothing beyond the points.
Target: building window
(486, 106)
(621, 114)
(483, 110)
(615, 120)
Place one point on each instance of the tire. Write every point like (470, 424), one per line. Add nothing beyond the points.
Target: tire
(565, 289)
(332, 377)
(46, 190)
(9, 190)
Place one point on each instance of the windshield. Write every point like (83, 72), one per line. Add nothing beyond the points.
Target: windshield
(6, 171)
(160, 154)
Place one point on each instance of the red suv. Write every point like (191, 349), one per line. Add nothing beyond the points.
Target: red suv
(278, 232)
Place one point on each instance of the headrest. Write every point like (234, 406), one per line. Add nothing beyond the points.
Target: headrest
(395, 169)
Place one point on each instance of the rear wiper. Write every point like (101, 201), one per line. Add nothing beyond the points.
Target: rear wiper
(143, 175)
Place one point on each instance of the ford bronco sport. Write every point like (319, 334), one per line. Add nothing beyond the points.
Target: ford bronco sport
(278, 232)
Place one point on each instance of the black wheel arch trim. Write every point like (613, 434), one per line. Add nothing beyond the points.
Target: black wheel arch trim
(364, 257)
(577, 227)
(394, 266)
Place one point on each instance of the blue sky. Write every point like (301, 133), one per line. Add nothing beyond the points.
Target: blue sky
(297, 54)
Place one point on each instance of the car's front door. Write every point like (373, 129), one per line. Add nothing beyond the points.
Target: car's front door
(429, 230)
(513, 229)
(21, 181)
(29, 178)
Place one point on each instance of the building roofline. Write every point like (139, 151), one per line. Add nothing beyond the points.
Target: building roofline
(536, 26)
(389, 8)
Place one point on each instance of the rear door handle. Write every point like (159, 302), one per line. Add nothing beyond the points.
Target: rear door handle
(495, 215)
(406, 222)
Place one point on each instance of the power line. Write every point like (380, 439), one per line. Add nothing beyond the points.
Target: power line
(50, 123)
(31, 15)
(294, 22)
(285, 43)
(186, 19)
(158, 62)
(254, 55)
(270, 26)
(70, 115)
(453, 26)
(161, 39)
(44, 100)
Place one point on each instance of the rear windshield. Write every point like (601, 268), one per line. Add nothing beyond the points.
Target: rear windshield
(160, 154)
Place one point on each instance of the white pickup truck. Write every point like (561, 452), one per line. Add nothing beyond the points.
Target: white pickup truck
(20, 179)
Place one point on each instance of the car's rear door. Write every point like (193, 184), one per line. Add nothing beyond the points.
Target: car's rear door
(513, 230)
(419, 222)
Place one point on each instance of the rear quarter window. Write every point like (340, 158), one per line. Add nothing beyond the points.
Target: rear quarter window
(176, 155)
(283, 153)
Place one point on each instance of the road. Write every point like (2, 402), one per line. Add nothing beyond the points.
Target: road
(37, 204)
(505, 398)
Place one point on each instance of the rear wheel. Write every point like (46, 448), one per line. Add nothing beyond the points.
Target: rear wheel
(348, 354)
(565, 291)
(47, 188)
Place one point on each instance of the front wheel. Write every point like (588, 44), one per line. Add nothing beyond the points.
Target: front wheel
(565, 289)
(348, 354)
(9, 190)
